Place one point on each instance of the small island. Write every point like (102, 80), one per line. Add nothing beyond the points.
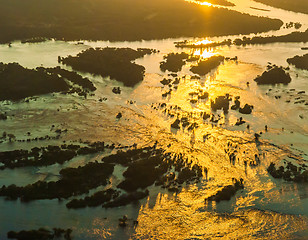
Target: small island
(300, 62)
(115, 63)
(274, 75)
(218, 2)
(173, 62)
(204, 67)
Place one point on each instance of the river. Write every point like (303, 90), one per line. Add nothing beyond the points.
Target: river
(267, 208)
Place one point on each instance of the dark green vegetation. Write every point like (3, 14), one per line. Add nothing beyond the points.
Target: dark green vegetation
(73, 77)
(173, 62)
(294, 5)
(274, 75)
(143, 173)
(289, 172)
(299, 61)
(223, 103)
(45, 156)
(291, 37)
(218, 2)
(125, 199)
(289, 96)
(149, 165)
(120, 20)
(73, 181)
(145, 167)
(113, 62)
(227, 192)
(96, 199)
(3, 116)
(247, 109)
(296, 25)
(18, 82)
(35, 40)
(207, 65)
(186, 44)
(40, 234)
(183, 119)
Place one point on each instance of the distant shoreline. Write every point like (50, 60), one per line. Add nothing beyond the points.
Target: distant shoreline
(260, 9)
(120, 20)
(299, 6)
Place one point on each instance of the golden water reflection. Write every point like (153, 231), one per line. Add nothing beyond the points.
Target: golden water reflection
(203, 3)
(180, 219)
(186, 215)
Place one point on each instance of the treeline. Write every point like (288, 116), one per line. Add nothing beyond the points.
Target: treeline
(299, 61)
(294, 5)
(291, 37)
(17, 82)
(218, 2)
(111, 20)
(113, 62)
(74, 181)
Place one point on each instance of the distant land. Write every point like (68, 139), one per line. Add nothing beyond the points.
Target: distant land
(218, 2)
(291, 5)
(120, 20)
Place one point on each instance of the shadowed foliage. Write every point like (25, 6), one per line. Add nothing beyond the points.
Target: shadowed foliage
(120, 20)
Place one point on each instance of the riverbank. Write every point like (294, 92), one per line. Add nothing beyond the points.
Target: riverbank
(100, 21)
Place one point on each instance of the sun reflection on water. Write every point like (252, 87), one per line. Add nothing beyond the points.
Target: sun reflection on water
(202, 42)
(182, 219)
(205, 53)
(186, 215)
(200, 3)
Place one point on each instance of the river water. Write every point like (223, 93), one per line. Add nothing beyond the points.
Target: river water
(267, 208)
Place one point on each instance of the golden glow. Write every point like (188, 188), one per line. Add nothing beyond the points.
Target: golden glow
(206, 3)
(203, 42)
(205, 53)
(186, 218)
(202, 52)
(200, 3)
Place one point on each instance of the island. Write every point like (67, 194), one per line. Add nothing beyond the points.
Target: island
(173, 62)
(205, 66)
(115, 63)
(274, 75)
(18, 82)
(300, 62)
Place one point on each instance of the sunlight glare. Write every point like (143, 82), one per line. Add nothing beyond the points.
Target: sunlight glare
(205, 53)
(200, 3)
(203, 42)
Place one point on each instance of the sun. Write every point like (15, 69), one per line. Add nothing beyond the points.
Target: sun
(200, 3)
